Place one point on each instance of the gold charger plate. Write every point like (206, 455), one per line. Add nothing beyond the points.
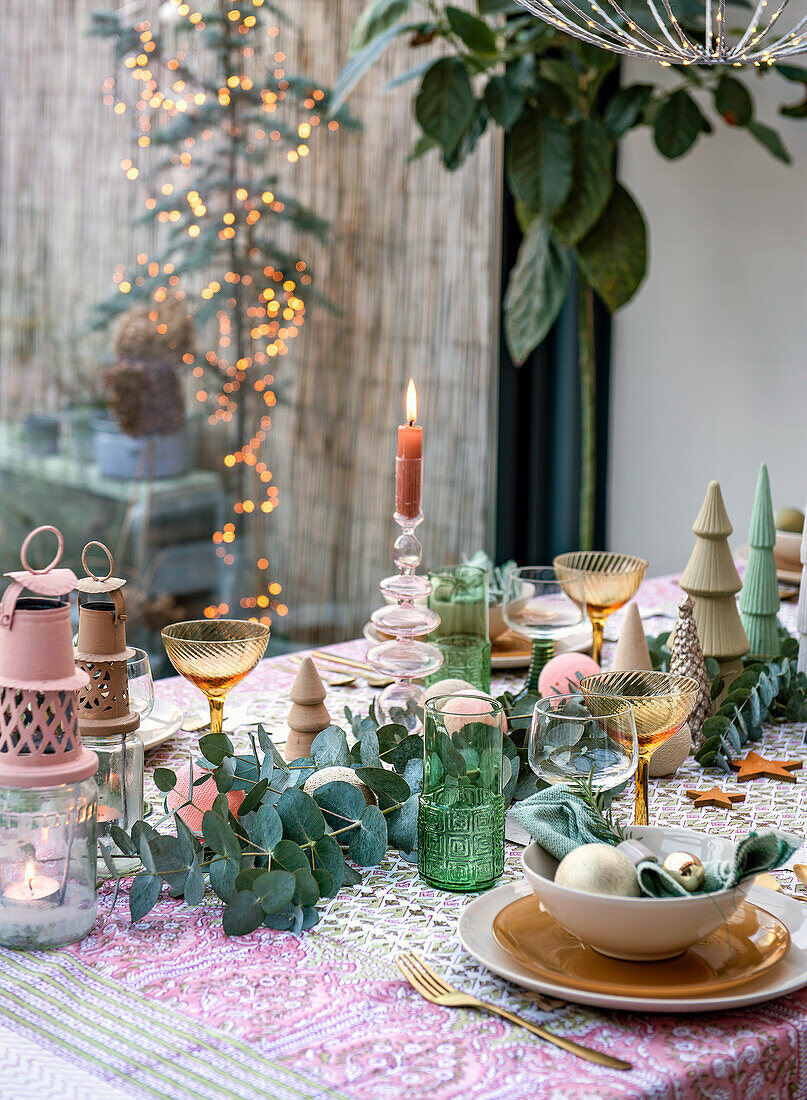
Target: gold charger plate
(756, 941)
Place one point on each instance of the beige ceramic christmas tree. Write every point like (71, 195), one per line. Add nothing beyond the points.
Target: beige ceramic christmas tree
(631, 649)
(712, 580)
(686, 659)
(308, 715)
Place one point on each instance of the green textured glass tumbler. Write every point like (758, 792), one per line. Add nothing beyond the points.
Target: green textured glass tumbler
(461, 808)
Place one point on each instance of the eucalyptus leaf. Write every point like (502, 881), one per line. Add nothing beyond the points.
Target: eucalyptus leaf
(143, 895)
(341, 804)
(310, 917)
(264, 827)
(385, 782)
(194, 884)
(410, 748)
(274, 890)
(253, 798)
(224, 774)
(327, 855)
(413, 775)
(402, 825)
(165, 779)
(329, 748)
(368, 749)
(219, 836)
(301, 816)
(289, 919)
(222, 872)
(369, 842)
(215, 746)
(123, 841)
(242, 915)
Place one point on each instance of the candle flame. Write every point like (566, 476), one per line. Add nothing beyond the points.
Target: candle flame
(29, 877)
(411, 402)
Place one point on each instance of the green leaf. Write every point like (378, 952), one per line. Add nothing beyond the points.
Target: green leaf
(358, 65)
(625, 107)
(369, 843)
(423, 145)
(368, 748)
(375, 18)
(143, 895)
(224, 774)
(536, 290)
(792, 72)
(123, 841)
(264, 827)
(733, 101)
(613, 256)
(329, 748)
(253, 799)
(503, 100)
(289, 919)
(403, 826)
(165, 779)
(219, 836)
(411, 748)
(242, 915)
(592, 182)
(194, 885)
(274, 890)
(341, 804)
(385, 782)
(445, 102)
(474, 32)
(222, 873)
(327, 856)
(215, 746)
(301, 816)
(540, 161)
(495, 7)
(679, 121)
(771, 140)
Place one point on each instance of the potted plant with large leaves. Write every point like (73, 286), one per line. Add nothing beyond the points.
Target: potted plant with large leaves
(563, 119)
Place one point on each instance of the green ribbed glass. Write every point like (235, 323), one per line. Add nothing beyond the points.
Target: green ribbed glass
(461, 808)
(460, 597)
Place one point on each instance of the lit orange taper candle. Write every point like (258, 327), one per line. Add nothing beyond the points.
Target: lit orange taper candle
(409, 464)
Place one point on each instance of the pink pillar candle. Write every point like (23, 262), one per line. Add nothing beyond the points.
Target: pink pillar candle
(409, 463)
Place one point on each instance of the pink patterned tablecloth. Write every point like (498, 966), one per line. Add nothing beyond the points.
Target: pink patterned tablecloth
(173, 1008)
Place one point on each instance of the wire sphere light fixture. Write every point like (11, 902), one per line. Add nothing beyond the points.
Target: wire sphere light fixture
(680, 32)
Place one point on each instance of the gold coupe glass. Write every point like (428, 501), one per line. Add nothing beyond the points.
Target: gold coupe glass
(609, 581)
(661, 704)
(215, 655)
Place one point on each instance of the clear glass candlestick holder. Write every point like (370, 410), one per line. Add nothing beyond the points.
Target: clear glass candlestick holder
(407, 658)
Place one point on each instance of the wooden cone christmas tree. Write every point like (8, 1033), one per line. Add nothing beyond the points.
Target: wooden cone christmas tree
(801, 617)
(631, 649)
(711, 579)
(308, 715)
(686, 659)
(759, 599)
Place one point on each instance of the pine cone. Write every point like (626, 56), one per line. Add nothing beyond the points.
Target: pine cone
(686, 659)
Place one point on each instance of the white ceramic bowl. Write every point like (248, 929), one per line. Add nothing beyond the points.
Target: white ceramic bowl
(788, 548)
(639, 929)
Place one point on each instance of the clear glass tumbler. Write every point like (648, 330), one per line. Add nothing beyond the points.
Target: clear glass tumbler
(120, 781)
(461, 807)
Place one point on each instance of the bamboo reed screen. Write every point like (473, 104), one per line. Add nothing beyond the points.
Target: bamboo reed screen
(411, 266)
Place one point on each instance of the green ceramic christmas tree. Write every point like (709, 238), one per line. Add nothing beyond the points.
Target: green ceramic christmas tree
(759, 599)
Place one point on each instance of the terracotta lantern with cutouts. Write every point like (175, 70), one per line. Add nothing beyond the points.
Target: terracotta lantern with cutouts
(107, 723)
(48, 796)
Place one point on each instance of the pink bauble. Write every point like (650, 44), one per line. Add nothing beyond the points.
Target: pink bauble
(559, 675)
(465, 703)
(204, 795)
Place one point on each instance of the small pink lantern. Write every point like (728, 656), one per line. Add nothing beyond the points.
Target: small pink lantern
(48, 797)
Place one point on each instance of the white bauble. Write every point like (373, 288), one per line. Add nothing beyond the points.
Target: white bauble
(445, 687)
(598, 869)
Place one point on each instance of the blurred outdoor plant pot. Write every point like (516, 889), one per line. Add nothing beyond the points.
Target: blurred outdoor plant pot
(41, 433)
(125, 457)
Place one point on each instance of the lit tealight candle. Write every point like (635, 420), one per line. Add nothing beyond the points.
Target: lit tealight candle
(409, 464)
(35, 890)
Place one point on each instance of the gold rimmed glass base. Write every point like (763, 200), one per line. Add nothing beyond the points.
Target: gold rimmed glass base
(609, 581)
(661, 704)
(215, 655)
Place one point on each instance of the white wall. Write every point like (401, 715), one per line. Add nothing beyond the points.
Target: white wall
(709, 365)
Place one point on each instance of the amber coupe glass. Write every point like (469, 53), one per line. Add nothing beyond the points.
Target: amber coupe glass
(609, 581)
(215, 655)
(661, 704)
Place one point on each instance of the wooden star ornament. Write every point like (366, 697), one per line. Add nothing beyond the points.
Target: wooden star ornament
(720, 800)
(755, 766)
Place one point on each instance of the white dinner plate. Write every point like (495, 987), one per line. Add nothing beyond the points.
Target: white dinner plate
(579, 641)
(475, 931)
(163, 722)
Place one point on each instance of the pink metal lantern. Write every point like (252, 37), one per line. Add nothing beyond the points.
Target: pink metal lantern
(48, 798)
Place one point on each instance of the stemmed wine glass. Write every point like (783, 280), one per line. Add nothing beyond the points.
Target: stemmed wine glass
(215, 655)
(141, 683)
(609, 581)
(544, 608)
(661, 704)
(574, 737)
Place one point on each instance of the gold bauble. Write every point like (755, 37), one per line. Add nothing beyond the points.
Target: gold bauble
(686, 869)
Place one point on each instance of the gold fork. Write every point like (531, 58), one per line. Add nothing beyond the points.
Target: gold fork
(429, 985)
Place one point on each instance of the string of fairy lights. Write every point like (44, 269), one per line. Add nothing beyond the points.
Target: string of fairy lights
(257, 307)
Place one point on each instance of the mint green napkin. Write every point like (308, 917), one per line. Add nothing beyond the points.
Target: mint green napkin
(753, 854)
(561, 822)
